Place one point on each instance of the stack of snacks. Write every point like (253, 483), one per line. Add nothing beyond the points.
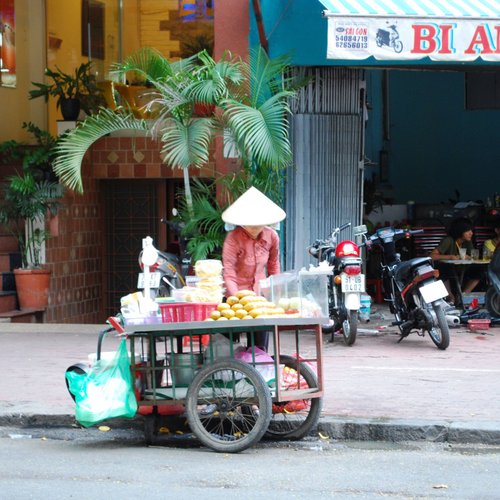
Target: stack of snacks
(210, 281)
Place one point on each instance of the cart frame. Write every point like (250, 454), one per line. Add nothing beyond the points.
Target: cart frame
(171, 337)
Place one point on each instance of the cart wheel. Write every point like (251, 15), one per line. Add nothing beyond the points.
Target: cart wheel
(295, 419)
(228, 406)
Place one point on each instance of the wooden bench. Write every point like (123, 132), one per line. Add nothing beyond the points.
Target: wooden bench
(424, 243)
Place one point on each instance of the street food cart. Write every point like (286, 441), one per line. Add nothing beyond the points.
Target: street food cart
(231, 400)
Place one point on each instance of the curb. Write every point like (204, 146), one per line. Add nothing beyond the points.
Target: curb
(397, 430)
(341, 429)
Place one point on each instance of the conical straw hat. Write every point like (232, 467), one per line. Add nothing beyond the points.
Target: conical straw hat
(253, 208)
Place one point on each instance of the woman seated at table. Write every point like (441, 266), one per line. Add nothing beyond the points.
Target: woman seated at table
(459, 236)
(491, 244)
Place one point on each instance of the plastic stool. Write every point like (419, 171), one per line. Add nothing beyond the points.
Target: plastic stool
(378, 294)
(205, 340)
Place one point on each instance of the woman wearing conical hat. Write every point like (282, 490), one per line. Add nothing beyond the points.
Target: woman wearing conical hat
(251, 251)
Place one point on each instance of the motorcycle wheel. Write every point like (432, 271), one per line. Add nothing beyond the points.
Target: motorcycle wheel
(350, 327)
(378, 41)
(492, 300)
(440, 333)
(398, 46)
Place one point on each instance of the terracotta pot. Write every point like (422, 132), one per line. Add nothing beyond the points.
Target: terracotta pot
(32, 287)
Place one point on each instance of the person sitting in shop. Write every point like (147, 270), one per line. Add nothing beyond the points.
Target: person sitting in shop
(251, 250)
(491, 245)
(459, 237)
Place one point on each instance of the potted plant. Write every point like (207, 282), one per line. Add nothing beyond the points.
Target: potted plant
(72, 91)
(25, 204)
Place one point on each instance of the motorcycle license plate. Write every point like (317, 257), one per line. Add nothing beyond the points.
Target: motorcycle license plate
(353, 283)
(154, 280)
(433, 291)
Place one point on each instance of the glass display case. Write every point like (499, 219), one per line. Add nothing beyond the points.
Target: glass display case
(302, 293)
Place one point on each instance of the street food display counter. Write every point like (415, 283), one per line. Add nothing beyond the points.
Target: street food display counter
(231, 392)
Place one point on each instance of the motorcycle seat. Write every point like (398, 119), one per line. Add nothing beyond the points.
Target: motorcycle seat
(404, 269)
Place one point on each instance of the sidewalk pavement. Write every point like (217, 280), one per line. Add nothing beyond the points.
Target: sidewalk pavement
(377, 389)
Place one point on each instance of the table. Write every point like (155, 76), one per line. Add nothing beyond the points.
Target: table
(459, 271)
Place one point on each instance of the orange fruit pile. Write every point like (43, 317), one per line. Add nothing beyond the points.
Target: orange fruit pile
(246, 304)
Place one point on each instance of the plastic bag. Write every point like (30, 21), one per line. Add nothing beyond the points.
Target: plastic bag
(267, 371)
(106, 391)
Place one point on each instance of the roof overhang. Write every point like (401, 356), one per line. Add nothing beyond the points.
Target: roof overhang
(406, 30)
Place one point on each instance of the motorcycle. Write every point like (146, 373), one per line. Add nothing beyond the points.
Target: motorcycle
(412, 289)
(346, 282)
(492, 298)
(169, 270)
(165, 275)
(389, 38)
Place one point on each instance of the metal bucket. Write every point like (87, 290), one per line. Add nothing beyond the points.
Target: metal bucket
(183, 367)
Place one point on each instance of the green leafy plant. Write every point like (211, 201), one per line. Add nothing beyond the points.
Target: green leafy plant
(81, 85)
(26, 201)
(36, 157)
(251, 106)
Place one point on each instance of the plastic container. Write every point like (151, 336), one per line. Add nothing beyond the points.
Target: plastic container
(469, 297)
(478, 325)
(304, 292)
(187, 311)
(365, 309)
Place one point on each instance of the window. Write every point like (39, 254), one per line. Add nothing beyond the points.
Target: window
(93, 29)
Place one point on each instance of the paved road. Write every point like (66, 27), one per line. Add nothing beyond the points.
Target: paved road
(91, 464)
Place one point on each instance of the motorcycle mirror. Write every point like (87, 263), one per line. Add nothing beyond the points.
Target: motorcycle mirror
(359, 230)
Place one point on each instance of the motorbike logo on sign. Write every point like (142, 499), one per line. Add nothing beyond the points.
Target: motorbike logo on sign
(390, 38)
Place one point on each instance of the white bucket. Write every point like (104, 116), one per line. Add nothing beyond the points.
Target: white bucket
(364, 310)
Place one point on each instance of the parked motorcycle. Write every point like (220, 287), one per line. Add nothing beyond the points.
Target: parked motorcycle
(412, 289)
(389, 38)
(492, 298)
(170, 270)
(164, 276)
(346, 282)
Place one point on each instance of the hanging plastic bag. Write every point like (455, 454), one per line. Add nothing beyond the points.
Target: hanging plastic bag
(260, 356)
(106, 391)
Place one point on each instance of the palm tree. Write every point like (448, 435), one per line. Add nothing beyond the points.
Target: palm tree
(251, 106)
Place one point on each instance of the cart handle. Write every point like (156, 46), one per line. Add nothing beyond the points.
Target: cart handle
(115, 325)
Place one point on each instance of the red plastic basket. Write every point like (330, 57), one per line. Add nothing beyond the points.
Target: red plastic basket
(188, 311)
(478, 325)
(176, 312)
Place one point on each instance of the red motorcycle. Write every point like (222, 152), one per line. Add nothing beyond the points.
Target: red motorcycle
(346, 281)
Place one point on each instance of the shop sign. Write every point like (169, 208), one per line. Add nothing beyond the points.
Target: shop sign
(401, 38)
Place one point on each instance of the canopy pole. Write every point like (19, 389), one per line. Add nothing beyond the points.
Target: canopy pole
(260, 25)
